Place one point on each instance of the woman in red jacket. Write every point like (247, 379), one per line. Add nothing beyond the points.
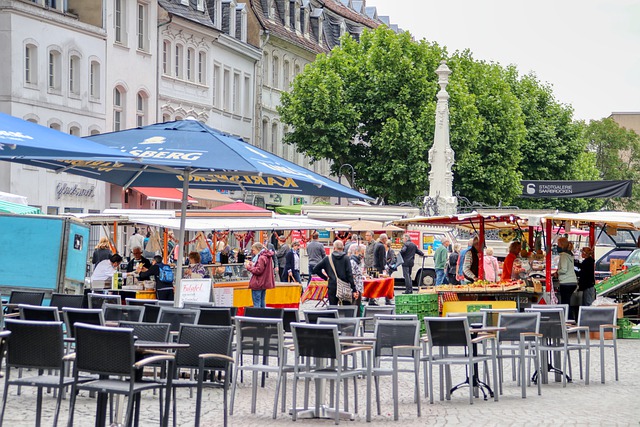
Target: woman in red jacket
(261, 269)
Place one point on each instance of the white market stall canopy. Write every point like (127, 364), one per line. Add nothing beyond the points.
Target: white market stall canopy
(623, 220)
(240, 224)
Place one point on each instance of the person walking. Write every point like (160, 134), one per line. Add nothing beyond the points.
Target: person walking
(440, 260)
(315, 252)
(452, 265)
(408, 253)
(342, 266)
(292, 263)
(281, 253)
(261, 269)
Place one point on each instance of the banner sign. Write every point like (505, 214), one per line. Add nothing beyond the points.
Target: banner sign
(575, 189)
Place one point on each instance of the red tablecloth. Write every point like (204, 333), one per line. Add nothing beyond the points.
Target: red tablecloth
(377, 288)
(316, 291)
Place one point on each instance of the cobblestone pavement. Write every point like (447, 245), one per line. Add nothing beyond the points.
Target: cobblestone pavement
(609, 404)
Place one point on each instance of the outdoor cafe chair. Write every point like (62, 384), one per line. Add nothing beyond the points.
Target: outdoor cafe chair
(98, 300)
(140, 301)
(591, 320)
(565, 307)
(397, 341)
(554, 341)
(117, 312)
(39, 346)
(319, 356)
(151, 312)
(312, 316)
(39, 313)
(452, 333)
(289, 316)
(215, 316)
(143, 331)
(197, 305)
(267, 313)
(344, 310)
(24, 297)
(492, 314)
(262, 339)
(92, 316)
(66, 300)
(110, 354)
(369, 313)
(521, 338)
(177, 316)
(209, 350)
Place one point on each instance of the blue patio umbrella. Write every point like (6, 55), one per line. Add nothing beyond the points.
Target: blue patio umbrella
(190, 154)
(24, 141)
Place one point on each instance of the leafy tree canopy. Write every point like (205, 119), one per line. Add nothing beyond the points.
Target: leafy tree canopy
(371, 104)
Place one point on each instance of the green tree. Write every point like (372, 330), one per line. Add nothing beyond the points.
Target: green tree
(617, 156)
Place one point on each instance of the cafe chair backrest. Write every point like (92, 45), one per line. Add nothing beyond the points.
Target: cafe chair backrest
(565, 307)
(204, 339)
(593, 317)
(214, 316)
(344, 310)
(39, 313)
(26, 297)
(447, 331)
(474, 317)
(517, 323)
(98, 300)
(92, 316)
(347, 326)
(103, 350)
(177, 316)
(552, 322)
(143, 331)
(35, 344)
(312, 316)
(392, 333)
(316, 341)
(269, 313)
(66, 300)
(117, 312)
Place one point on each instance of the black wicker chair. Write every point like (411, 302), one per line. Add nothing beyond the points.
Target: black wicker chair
(98, 300)
(110, 354)
(312, 316)
(143, 331)
(151, 312)
(117, 312)
(215, 316)
(209, 350)
(177, 316)
(265, 313)
(91, 316)
(66, 300)
(38, 313)
(40, 346)
(24, 297)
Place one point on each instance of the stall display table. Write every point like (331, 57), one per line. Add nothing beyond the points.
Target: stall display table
(373, 288)
(284, 295)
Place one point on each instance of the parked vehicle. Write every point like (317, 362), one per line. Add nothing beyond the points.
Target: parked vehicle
(44, 253)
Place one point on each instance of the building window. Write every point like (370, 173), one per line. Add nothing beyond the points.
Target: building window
(226, 86)
(235, 107)
(265, 69)
(119, 22)
(55, 126)
(265, 134)
(141, 108)
(202, 67)
(166, 118)
(166, 56)
(275, 71)
(178, 60)
(274, 138)
(200, 5)
(94, 132)
(247, 96)
(286, 76)
(74, 130)
(190, 55)
(141, 27)
(215, 85)
(54, 70)
(52, 210)
(74, 75)
(118, 109)
(94, 80)
(296, 70)
(31, 64)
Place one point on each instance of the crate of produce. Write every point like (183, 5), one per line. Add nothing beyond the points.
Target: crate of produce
(407, 309)
(427, 297)
(633, 334)
(404, 299)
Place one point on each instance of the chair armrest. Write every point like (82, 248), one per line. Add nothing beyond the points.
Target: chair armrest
(206, 356)
(356, 349)
(155, 352)
(483, 338)
(154, 359)
(609, 326)
(577, 328)
(424, 338)
(530, 334)
(11, 315)
(406, 347)
(69, 357)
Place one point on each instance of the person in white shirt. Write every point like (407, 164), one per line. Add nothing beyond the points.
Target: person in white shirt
(104, 269)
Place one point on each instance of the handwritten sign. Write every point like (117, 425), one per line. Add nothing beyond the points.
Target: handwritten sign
(194, 290)
(223, 297)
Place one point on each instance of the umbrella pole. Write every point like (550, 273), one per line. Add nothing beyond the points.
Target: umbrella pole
(183, 220)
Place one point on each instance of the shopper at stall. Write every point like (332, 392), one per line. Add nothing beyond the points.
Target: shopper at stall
(101, 252)
(368, 256)
(460, 264)
(408, 253)
(586, 279)
(104, 269)
(292, 263)
(452, 265)
(342, 266)
(137, 259)
(162, 274)
(261, 269)
(356, 257)
(440, 260)
(490, 264)
(135, 241)
(315, 252)
(508, 272)
(566, 273)
(391, 261)
(281, 253)
(380, 254)
(470, 267)
(195, 270)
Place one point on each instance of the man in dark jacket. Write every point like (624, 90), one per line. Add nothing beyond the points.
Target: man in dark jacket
(281, 253)
(380, 254)
(164, 290)
(342, 265)
(315, 252)
(408, 252)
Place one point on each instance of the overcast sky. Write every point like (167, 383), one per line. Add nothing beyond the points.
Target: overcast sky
(588, 50)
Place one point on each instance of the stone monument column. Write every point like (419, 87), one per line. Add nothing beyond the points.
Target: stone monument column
(441, 156)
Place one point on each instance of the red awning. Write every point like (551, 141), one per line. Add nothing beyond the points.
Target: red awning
(163, 194)
(239, 206)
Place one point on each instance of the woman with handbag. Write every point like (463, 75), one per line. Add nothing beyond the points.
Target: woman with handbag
(336, 270)
(262, 278)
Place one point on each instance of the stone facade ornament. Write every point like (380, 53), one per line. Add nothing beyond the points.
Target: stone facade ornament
(441, 156)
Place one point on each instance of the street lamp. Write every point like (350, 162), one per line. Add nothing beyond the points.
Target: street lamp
(353, 177)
